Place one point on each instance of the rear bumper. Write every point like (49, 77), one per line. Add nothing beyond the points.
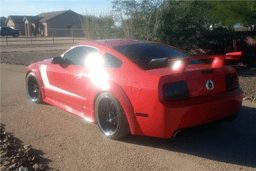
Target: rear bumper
(204, 109)
(194, 111)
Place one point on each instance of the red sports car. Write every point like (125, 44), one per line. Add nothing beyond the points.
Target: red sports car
(136, 87)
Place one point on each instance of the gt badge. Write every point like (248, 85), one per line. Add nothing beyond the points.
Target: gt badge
(209, 85)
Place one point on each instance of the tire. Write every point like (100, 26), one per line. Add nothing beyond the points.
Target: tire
(16, 35)
(33, 88)
(110, 117)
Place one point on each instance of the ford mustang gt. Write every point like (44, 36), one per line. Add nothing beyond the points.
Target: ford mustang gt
(137, 87)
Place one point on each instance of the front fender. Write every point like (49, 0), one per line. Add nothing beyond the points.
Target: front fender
(35, 69)
(123, 99)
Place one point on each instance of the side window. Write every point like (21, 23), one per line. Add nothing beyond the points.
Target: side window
(77, 55)
(111, 61)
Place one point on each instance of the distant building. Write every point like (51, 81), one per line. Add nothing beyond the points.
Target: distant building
(59, 23)
(16, 22)
(2, 21)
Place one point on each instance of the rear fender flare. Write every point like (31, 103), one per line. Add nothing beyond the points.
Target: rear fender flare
(123, 99)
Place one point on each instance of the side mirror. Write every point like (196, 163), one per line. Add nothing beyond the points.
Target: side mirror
(58, 60)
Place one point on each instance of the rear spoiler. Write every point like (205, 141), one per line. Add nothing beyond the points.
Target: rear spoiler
(234, 56)
(180, 64)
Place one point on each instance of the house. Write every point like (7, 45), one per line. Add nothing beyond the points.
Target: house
(59, 23)
(31, 24)
(16, 22)
(2, 21)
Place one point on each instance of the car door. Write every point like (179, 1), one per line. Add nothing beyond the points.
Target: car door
(99, 80)
(67, 80)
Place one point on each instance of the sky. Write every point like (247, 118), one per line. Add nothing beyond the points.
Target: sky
(28, 7)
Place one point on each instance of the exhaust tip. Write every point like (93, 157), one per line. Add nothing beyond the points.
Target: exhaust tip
(178, 134)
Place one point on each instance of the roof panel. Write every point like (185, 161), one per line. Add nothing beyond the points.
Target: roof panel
(117, 42)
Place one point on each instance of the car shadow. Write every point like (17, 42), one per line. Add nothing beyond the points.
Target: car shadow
(231, 142)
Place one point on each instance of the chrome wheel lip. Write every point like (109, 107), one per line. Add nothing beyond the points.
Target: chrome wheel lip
(33, 89)
(107, 116)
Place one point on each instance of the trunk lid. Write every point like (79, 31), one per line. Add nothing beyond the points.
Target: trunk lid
(197, 77)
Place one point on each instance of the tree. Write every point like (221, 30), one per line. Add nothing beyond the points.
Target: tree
(183, 22)
(138, 19)
(127, 6)
(234, 12)
(97, 27)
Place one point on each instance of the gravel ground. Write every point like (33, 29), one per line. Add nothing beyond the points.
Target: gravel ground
(15, 156)
(27, 58)
(247, 80)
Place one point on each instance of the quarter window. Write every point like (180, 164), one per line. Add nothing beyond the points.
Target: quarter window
(111, 61)
(77, 55)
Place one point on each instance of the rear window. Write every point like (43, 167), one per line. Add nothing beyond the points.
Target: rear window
(142, 54)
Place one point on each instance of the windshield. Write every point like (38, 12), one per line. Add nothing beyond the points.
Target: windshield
(142, 54)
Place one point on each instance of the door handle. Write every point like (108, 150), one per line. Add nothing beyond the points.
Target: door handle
(79, 75)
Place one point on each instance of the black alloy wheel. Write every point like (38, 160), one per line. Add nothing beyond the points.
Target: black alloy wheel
(110, 116)
(107, 116)
(33, 88)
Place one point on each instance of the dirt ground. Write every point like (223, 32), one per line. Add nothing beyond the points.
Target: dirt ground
(247, 80)
(23, 40)
(66, 142)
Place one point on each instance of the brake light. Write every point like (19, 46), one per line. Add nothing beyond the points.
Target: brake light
(231, 81)
(175, 91)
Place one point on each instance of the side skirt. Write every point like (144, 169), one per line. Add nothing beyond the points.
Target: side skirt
(67, 108)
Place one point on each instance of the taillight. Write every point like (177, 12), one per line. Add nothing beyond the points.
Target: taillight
(175, 91)
(231, 81)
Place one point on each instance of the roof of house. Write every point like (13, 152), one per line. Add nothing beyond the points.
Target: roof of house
(16, 18)
(3, 18)
(41, 17)
(31, 18)
(49, 15)
(2, 21)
